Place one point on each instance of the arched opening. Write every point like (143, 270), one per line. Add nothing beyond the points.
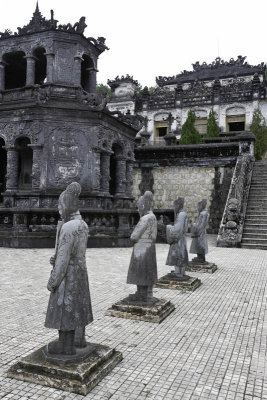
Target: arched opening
(40, 65)
(117, 150)
(15, 70)
(86, 76)
(3, 163)
(25, 164)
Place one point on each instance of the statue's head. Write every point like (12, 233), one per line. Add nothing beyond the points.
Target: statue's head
(68, 202)
(201, 205)
(178, 205)
(145, 203)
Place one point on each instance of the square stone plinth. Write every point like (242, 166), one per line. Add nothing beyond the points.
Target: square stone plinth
(169, 281)
(74, 377)
(207, 267)
(155, 312)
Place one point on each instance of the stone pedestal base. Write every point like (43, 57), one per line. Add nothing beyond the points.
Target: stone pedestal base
(170, 281)
(202, 267)
(155, 311)
(77, 377)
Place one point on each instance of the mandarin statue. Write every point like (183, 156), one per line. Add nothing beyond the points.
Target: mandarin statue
(176, 237)
(199, 244)
(69, 308)
(143, 265)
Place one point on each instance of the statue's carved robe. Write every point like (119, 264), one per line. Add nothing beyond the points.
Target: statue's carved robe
(69, 305)
(199, 243)
(143, 264)
(176, 237)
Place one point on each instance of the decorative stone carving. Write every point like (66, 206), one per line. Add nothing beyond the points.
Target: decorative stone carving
(12, 168)
(143, 271)
(105, 171)
(199, 244)
(120, 175)
(36, 164)
(69, 311)
(178, 255)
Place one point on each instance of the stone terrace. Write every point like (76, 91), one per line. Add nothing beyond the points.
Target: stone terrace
(213, 346)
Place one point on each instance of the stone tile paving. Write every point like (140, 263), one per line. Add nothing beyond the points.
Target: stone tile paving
(213, 346)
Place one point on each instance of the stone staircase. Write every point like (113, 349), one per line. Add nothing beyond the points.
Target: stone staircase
(255, 226)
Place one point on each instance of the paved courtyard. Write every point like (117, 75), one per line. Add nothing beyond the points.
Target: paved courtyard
(213, 346)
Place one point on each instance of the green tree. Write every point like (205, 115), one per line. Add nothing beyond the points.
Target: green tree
(213, 129)
(259, 129)
(189, 134)
(103, 89)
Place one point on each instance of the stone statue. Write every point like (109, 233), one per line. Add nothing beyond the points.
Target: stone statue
(176, 237)
(143, 265)
(199, 243)
(69, 308)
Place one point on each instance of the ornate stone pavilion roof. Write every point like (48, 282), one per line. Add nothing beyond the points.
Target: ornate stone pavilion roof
(38, 23)
(218, 69)
(123, 79)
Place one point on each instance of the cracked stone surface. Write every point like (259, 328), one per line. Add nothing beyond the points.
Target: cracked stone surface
(213, 346)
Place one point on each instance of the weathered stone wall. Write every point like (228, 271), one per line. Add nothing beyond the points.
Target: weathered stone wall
(192, 183)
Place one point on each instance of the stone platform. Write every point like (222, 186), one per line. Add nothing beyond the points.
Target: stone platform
(155, 312)
(170, 281)
(202, 267)
(72, 377)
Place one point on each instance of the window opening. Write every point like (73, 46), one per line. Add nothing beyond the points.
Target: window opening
(15, 70)
(40, 66)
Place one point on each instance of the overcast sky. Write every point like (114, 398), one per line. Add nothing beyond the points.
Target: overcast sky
(148, 38)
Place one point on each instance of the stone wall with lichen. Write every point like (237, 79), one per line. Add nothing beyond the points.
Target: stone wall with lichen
(192, 183)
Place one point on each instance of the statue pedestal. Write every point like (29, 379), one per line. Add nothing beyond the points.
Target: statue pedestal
(170, 281)
(202, 267)
(154, 311)
(64, 372)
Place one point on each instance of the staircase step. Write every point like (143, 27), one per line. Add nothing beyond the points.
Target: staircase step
(253, 246)
(254, 241)
(254, 236)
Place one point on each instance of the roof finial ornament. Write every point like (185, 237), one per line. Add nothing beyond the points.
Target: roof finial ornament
(37, 7)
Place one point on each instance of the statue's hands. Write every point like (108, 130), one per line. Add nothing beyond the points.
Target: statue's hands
(53, 260)
(50, 287)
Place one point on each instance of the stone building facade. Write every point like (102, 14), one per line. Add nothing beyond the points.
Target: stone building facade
(234, 89)
(55, 129)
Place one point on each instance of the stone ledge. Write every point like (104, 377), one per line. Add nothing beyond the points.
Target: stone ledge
(156, 312)
(207, 267)
(75, 377)
(170, 282)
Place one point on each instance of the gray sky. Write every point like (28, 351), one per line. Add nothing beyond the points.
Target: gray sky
(148, 38)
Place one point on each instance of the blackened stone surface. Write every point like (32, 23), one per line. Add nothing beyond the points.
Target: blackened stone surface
(150, 312)
(169, 281)
(204, 267)
(222, 182)
(78, 378)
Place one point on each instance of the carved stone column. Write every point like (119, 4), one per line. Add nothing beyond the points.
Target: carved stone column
(77, 70)
(36, 164)
(120, 175)
(105, 171)
(12, 168)
(97, 169)
(50, 67)
(30, 76)
(2, 75)
(92, 80)
(129, 177)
